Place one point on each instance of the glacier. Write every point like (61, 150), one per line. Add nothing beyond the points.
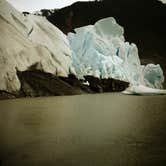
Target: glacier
(100, 50)
(27, 41)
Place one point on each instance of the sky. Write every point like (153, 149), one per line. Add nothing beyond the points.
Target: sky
(33, 5)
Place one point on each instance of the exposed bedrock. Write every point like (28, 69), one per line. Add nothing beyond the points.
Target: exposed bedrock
(37, 83)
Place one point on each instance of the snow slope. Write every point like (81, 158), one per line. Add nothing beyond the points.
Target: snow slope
(101, 51)
(26, 41)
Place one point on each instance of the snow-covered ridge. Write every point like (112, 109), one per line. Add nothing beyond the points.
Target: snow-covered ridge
(101, 51)
(29, 40)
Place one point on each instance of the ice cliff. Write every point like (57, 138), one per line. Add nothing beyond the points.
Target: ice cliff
(27, 41)
(100, 50)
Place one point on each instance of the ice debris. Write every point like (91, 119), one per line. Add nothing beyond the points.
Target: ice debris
(143, 90)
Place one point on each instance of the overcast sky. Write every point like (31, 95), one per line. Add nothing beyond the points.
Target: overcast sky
(33, 5)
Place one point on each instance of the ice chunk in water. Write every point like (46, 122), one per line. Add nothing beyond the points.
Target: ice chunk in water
(143, 90)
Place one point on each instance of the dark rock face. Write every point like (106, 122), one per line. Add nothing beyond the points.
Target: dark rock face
(36, 83)
(25, 13)
(63, 19)
(6, 95)
(106, 85)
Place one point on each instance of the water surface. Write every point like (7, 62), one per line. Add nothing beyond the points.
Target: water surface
(86, 130)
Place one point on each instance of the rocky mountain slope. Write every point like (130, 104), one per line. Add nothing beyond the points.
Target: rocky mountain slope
(143, 21)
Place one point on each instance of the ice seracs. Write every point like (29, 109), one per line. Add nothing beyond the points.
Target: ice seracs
(100, 50)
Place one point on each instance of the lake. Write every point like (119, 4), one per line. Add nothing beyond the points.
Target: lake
(108, 129)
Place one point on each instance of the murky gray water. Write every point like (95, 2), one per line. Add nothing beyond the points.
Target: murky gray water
(86, 130)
